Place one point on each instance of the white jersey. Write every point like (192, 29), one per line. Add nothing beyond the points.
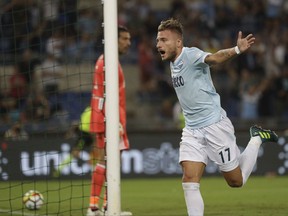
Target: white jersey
(196, 93)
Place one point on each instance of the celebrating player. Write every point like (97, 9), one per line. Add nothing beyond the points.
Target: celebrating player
(208, 132)
(98, 121)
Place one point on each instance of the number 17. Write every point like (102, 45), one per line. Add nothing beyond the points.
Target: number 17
(227, 150)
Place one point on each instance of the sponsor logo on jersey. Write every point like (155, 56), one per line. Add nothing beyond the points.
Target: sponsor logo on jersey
(177, 81)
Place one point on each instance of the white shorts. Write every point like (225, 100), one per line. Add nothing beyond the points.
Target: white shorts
(216, 142)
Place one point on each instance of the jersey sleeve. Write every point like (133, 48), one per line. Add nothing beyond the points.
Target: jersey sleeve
(198, 57)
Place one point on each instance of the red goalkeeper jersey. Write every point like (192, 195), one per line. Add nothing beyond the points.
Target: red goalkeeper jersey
(98, 102)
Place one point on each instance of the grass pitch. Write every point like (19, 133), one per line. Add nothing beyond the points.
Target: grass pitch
(261, 196)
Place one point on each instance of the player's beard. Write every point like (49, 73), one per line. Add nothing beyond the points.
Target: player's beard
(123, 51)
(172, 56)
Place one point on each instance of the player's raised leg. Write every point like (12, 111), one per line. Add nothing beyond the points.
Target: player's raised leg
(248, 157)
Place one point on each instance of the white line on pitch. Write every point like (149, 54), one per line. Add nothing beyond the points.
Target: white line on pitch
(19, 213)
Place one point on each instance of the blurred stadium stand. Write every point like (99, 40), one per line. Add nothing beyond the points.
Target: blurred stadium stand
(76, 82)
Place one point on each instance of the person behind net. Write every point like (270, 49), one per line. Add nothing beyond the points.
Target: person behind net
(208, 132)
(84, 139)
(98, 122)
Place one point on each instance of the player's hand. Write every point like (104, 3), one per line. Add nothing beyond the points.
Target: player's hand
(245, 43)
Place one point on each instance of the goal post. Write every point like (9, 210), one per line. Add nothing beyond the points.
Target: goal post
(53, 48)
(112, 107)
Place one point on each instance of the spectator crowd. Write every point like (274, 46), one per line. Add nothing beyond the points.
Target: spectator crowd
(50, 33)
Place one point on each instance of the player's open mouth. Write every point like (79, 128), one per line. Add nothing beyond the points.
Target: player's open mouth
(162, 52)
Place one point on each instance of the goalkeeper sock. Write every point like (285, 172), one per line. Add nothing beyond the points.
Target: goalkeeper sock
(104, 206)
(248, 157)
(98, 179)
(94, 203)
(193, 199)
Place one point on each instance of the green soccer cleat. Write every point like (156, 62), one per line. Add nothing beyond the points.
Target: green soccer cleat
(265, 135)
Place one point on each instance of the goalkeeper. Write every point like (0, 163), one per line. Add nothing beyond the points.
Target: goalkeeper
(98, 121)
(84, 139)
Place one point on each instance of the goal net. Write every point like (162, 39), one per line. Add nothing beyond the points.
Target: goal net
(48, 51)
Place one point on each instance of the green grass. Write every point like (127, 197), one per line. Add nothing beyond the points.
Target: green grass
(154, 197)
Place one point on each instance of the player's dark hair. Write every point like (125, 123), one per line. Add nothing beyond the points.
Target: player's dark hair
(122, 29)
(172, 25)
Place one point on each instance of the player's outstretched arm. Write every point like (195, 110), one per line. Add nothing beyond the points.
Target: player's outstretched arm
(223, 55)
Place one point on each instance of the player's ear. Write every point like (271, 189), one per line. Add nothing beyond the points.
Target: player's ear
(179, 43)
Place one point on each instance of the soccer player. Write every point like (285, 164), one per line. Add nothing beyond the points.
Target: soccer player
(98, 122)
(84, 139)
(208, 132)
